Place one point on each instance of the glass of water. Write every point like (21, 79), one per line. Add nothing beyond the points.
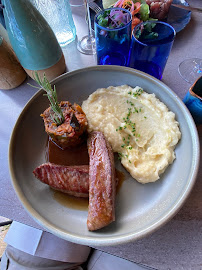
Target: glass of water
(59, 16)
(77, 3)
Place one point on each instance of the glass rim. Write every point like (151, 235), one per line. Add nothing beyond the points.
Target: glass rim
(156, 22)
(113, 29)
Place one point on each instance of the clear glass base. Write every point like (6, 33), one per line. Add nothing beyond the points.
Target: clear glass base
(87, 45)
(191, 69)
(78, 3)
(65, 37)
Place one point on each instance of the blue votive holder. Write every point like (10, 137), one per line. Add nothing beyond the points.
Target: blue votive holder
(113, 44)
(193, 101)
(150, 48)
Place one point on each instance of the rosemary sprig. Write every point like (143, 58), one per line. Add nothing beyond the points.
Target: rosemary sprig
(51, 93)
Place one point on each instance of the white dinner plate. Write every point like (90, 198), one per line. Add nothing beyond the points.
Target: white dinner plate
(140, 209)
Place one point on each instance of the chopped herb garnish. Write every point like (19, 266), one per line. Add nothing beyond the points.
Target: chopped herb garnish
(138, 92)
(131, 126)
(120, 155)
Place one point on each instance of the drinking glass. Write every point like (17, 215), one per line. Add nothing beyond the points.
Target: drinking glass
(86, 45)
(59, 16)
(190, 69)
(113, 44)
(77, 3)
(151, 45)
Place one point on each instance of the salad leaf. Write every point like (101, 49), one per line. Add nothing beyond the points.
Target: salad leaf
(113, 19)
(147, 32)
(110, 3)
(103, 19)
(144, 12)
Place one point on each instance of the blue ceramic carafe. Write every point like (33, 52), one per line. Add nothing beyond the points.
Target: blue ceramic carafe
(32, 39)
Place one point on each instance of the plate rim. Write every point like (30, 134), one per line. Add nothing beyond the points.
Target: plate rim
(126, 238)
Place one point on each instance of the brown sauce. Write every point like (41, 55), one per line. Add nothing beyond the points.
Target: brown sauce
(121, 178)
(71, 201)
(68, 157)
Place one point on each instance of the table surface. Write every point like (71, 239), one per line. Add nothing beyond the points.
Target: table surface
(178, 244)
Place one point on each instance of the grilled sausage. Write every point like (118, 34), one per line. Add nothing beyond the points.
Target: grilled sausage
(73, 180)
(102, 183)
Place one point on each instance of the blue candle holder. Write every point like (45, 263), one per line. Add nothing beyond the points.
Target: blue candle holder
(193, 101)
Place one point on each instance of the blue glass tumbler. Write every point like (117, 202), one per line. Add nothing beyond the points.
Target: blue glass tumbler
(150, 47)
(113, 44)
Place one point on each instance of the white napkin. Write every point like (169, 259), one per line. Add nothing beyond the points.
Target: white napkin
(43, 244)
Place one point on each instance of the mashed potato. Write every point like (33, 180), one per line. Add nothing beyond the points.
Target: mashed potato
(138, 126)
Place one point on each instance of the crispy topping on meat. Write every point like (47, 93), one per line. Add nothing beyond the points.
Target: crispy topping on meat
(72, 131)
